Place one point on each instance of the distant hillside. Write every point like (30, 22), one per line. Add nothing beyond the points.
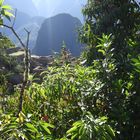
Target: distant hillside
(32, 25)
(54, 31)
(23, 21)
(20, 20)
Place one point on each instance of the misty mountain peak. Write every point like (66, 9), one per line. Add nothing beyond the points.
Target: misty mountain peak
(55, 30)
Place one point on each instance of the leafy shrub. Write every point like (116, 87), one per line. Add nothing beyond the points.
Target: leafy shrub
(89, 129)
(24, 128)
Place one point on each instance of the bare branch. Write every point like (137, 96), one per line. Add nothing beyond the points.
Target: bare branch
(14, 18)
(26, 62)
(28, 37)
(26, 71)
(14, 32)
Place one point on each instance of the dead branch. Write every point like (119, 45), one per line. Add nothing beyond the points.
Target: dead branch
(26, 62)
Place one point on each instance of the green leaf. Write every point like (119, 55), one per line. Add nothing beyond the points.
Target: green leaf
(8, 14)
(74, 136)
(71, 130)
(6, 7)
(99, 46)
(110, 130)
(135, 60)
(103, 138)
(101, 51)
(46, 129)
(47, 125)
(1, 2)
(77, 123)
(107, 136)
(31, 128)
(8, 128)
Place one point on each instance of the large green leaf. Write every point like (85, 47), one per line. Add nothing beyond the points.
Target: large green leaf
(46, 129)
(110, 130)
(31, 127)
(6, 7)
(1, 2)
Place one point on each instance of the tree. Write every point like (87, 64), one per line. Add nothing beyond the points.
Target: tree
(117, 17)
(120, 94)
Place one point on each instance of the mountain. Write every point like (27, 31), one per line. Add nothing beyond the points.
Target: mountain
(55, 30)
(26, 6)
(20, 20)
(23, 21)
(27, 16)
(33, 25)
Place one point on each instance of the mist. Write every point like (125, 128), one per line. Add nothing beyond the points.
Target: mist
(49, 8)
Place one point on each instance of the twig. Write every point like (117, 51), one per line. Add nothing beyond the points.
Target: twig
(26, 71)
(14, 32)
(28, 37)
(14, 18)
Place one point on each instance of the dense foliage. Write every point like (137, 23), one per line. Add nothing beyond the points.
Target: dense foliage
(79, 102)
(120, 19)
(63, 99)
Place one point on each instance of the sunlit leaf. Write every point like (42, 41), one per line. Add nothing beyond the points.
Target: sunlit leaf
(30, 127)
(6, 7)
(1, 2)
(110, 130)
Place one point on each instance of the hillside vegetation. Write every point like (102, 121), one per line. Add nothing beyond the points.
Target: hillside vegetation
(92, 97)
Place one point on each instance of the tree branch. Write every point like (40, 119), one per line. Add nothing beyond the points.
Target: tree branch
(14, 32)
(26, 62)
(14, 18)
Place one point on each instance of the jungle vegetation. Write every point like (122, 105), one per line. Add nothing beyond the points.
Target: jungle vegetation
(95, 98)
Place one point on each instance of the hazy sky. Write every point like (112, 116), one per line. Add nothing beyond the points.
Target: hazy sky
(54, 1)
(52, 7)
(49, 8)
